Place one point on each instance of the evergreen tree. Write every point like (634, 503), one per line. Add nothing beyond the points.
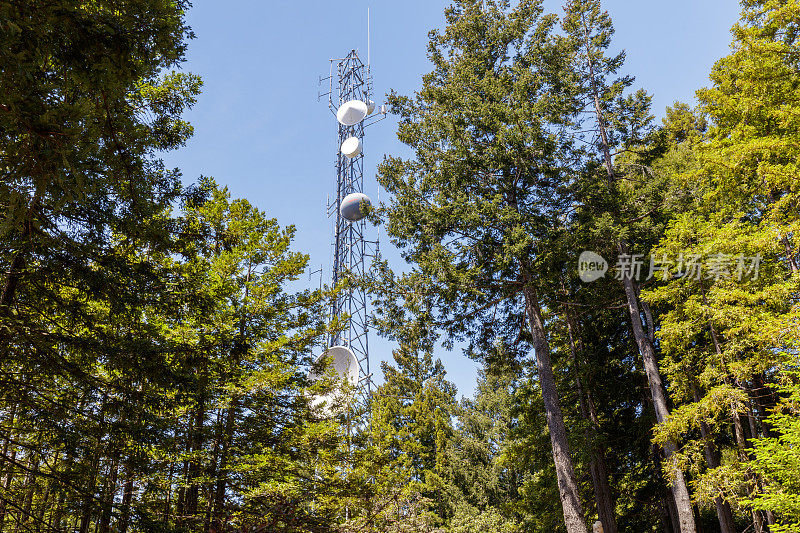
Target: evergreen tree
(777, 461)
(248, 426)
(621, 124)
(88, 103)
(732, 329)
(474, 207)
(488, 480)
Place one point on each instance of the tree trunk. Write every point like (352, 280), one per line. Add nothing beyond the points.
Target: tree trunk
(724, 513)
(597, 467)
(738, 429)
(7, 489)
(168, 497)
(565, 473)
(197, 442)
(670, 518)
(9, 469)
(20, 258)
(790, 256)
(30, 489)
(765, 400)
(214, 468)
(43, 504)
(88, 502)
(222, 481)
(110, 492)
(127, 496)
(680, 491)
(741, 445)
(58, 513)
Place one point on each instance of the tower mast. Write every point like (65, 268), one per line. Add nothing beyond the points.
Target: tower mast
(350, 99)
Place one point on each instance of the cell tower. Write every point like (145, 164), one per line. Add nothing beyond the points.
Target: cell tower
(350, 100)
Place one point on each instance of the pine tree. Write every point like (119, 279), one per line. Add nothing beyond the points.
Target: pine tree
(777, 461)
(249, 424)
(621, 124)
(88, 102)
(474, 208)
(488, 480)
(731, 330)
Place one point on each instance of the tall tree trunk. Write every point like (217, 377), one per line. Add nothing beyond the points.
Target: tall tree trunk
(44, 504)
(195, 467)
(759, 482)
(738, 429)
(58, 513)
(597, 467)
(7, 488)
(790, 256)
(741, 444)
(11, 420)
(663, 513)
(669, 510)
(724, 513)
(31, 486)
(110, 491)
(765, 400)
(565, 473)
(127, 496)
(17, 265)
(7, 469)
(214, 468)
(88, 502)
(680, 491)
(222, 480)
(168, 497)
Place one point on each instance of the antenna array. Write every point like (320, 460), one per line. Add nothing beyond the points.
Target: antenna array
(349, 99)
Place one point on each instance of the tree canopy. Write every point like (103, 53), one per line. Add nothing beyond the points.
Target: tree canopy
(159, 366)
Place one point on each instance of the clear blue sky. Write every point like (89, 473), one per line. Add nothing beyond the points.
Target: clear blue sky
(260, 130)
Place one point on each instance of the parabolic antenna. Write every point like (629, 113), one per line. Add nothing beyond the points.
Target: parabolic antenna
(352, 112)
(351, 147)
(370, 107)
(345, 365)
(354, 206)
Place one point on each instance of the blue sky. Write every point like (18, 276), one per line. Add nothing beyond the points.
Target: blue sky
(260, 130)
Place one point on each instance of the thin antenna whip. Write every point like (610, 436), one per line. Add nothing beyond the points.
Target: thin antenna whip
(368, 43)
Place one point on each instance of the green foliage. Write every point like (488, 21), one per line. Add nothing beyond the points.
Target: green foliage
(154, 361)
(777, 459)
(728, 332)
(410, 430)
(245, 345)
(486, 186)
(470, 520)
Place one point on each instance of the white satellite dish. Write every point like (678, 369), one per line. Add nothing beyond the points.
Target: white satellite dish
(354, 206)
(344, 363)
(370, 107)
(352, 112)
(345, 366)
(351, 147)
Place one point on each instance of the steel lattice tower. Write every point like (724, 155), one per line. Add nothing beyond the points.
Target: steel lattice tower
(352, 252)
